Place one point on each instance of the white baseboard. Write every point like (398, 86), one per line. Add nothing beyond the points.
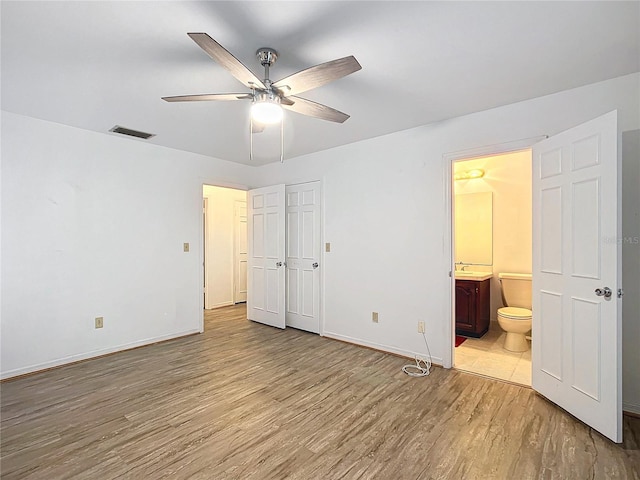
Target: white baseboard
(92, 354)
(220, 305)
(631, 408)
(382, 348)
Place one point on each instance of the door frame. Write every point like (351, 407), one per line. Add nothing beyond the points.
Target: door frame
(201, 246)
(205, 249)
(246, 188)
(236, 253)
(449, 239)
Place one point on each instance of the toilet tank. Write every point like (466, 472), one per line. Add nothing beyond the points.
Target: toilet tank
(516, 289)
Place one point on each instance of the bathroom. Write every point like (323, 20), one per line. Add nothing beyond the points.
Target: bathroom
(493, 235)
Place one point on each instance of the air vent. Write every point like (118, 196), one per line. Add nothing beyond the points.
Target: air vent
(131, 133)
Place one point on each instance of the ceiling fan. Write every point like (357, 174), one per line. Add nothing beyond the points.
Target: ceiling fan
(268, 98)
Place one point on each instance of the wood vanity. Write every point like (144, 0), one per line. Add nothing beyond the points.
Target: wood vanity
(473, 305)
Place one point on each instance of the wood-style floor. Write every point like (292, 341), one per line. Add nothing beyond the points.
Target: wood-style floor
(246, 401)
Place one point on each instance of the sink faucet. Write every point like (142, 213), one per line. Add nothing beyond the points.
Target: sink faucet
(463, 266)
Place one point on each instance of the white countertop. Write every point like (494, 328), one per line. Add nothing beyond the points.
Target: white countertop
(475, 276)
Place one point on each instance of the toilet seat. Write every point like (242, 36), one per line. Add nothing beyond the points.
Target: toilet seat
(515, 313)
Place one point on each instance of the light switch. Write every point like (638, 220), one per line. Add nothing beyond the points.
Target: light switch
(185, 247)
(327, 247)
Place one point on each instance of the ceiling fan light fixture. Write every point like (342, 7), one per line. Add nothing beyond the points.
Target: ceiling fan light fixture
(266, 109)
(469, 174)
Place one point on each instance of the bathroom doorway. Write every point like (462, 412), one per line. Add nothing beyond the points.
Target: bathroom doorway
(492, 231)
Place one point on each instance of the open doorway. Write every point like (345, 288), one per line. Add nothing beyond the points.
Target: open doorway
(575, 269)
(224, 246)
(492, 227)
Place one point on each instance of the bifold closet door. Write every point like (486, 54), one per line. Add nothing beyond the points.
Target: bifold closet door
(303, 256)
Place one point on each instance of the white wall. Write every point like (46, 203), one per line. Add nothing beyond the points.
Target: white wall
(93, 225)
(221, 240)
(631, 270)
(79, 209)
(509, 178)
(385, 214)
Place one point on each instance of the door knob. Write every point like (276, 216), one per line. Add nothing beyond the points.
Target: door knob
(314, 264)
(603, 292)
(279, 264)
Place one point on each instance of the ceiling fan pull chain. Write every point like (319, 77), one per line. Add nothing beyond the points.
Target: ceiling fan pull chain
(282, 140)
(251, 138)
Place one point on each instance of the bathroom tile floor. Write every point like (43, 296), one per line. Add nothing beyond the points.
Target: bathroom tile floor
(486, 356)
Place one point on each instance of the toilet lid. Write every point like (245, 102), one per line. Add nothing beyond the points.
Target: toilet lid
(515, 313)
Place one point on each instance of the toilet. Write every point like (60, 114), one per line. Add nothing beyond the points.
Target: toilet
(515, 316)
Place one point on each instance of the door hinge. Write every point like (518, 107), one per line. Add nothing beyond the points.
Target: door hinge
(620, 293)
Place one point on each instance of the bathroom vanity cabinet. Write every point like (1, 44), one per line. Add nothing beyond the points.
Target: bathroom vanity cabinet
(472, 307)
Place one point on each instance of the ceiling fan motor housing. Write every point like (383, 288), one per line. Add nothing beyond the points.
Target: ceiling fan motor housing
(268, 96)
(267, 56)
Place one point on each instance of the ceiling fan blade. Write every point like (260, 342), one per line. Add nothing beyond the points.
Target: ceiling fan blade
(227, 60)
(317, 76)
(208, 97)
(286, 101)
(313, 109)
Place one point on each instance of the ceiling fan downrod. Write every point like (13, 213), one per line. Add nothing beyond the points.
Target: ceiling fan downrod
(267, 57)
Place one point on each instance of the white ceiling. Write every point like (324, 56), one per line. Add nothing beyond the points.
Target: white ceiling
(93, 65)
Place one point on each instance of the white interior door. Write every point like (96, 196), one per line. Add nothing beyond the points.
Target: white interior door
(303, 256)
(266, 255)
(240, 252)
(576, 348)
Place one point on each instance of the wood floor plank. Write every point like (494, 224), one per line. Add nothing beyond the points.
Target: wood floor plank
(246, 401)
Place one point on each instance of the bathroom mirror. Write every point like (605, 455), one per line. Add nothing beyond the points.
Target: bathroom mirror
(474, 228)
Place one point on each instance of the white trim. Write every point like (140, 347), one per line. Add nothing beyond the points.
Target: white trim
(448, 249)
(92, 354)
(493, 150)
(237, 204)
(448, 240)
(205, 249)
(323, 258)
(222, 304)
(382, 348)
(201, 269)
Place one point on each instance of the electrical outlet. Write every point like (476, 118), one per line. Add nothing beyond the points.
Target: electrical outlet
(420, 327)
(99, 322)
(374, 317)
